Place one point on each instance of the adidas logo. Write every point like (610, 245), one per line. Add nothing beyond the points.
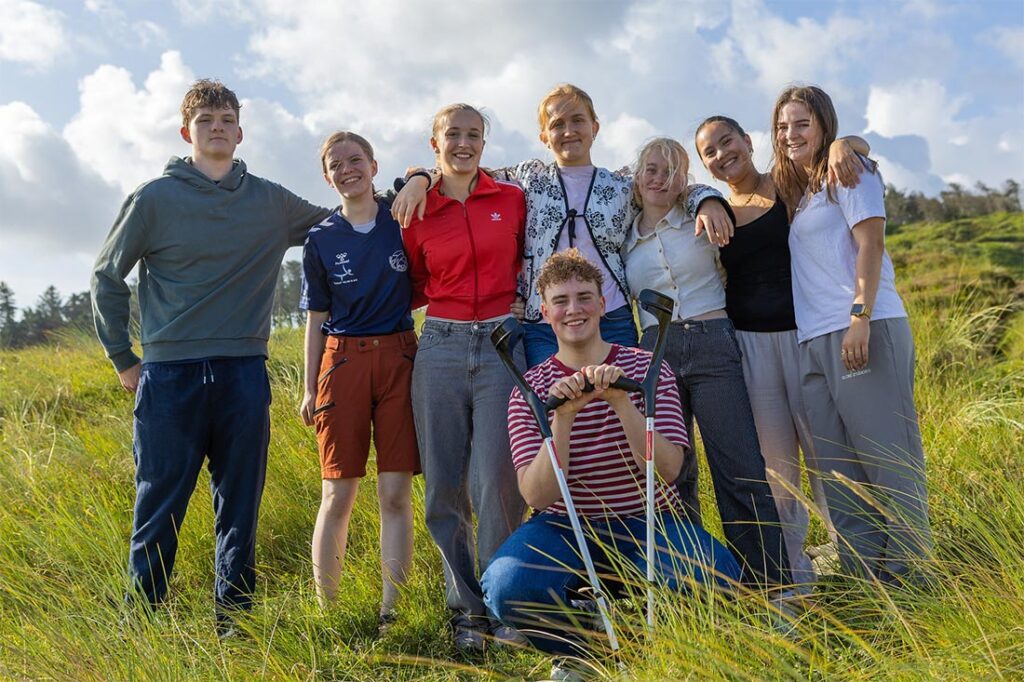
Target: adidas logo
(495, 217)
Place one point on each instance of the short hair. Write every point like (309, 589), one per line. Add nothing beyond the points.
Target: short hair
(441, 116)
(344, 136)
(566, 265)
(207, 92)
(678, 162)
(568, 91)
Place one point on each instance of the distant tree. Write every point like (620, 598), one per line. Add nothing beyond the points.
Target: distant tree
(1011, 192)
(77, 311)
(49, 312)
(8, 313)
(286, 311)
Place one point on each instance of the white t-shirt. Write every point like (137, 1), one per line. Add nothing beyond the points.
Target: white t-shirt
(577, 183)
(824, 258)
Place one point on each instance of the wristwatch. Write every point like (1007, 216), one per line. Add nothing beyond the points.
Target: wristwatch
(860, 310)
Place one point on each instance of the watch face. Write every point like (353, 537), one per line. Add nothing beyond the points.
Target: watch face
(858, 310)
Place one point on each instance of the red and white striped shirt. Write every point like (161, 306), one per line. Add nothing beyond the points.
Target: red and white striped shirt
(604, 478)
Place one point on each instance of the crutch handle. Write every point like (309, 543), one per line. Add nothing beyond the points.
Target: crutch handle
(622, 383)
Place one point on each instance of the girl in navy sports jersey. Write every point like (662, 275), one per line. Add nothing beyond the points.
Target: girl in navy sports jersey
(360, 347)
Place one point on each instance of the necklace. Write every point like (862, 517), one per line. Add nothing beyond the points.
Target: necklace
(752, 194)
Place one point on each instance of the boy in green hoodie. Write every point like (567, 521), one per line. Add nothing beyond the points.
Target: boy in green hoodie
(208, 238)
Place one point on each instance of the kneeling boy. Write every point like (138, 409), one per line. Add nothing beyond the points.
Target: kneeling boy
(600, 440)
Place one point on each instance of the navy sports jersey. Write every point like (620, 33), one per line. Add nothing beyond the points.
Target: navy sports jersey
(362, 280)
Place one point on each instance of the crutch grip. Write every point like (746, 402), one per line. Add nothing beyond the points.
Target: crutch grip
(622, 383)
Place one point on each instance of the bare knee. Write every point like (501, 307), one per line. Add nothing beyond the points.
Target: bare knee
(394, 493)
(337, 497)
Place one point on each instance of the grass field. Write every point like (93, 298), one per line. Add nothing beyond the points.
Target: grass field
(66, 494)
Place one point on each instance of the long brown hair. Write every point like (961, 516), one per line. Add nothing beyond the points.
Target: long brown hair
(788, 179)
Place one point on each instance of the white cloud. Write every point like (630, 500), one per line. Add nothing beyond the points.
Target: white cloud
(779, 52)
(898, 175)
(117, 24)
(126, 133)
(31, 34)
(962, 149)
(49, 196)
(1010, 41)
(928, 10)
(622, 139)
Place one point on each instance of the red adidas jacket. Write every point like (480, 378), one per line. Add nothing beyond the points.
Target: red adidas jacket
(464, 258)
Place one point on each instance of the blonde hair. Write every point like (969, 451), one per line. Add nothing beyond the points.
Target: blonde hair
(785, 174)
(568, 91)
(678, 162)
(566, 265)
(344, 136)
(441, 116)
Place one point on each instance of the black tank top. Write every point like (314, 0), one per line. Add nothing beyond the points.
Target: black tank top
(759, 295)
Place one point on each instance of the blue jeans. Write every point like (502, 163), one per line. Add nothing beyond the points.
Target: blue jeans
(532, 576)
(217, 411)
(460, 392)
(706, 360)
(617, 326)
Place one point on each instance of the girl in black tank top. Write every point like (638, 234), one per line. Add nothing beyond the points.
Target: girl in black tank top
(759, 295)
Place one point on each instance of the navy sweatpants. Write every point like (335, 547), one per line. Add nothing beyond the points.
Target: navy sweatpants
(218, 411)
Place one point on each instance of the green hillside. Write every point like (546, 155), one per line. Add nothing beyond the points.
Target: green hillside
(66, 494)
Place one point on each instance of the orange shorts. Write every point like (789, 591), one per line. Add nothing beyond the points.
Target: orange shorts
(366, 380)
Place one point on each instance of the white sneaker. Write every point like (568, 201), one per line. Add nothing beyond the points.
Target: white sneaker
(568, 670)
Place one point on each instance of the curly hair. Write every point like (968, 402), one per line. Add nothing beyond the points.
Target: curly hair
(567, 265)
(207, 92)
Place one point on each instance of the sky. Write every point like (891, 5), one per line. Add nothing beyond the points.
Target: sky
(90, 90)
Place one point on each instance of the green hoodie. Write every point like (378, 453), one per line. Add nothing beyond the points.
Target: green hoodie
(209, 255)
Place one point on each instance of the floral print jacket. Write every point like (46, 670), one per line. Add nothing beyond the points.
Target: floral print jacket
(608, 216)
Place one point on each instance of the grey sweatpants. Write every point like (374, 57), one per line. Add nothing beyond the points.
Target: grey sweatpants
(771, 368)
(460, 393)
(865, 429)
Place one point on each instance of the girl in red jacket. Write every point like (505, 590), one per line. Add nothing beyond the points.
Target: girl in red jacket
(464, 257)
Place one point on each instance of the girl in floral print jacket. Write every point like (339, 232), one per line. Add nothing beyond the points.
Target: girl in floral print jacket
(572, 203)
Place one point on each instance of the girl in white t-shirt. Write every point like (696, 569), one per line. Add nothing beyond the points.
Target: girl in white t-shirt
(856, 350)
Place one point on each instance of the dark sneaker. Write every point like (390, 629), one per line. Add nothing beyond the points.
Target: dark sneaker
(469, 640)
(385, 620)
(505, 635)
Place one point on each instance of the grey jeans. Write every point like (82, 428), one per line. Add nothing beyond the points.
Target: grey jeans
(460, 393)
(865, 430)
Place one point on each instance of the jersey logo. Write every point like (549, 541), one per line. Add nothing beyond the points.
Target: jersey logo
(345, 276)
(398, 261)
(495, 217)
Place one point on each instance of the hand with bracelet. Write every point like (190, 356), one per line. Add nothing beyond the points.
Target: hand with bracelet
(412, 197)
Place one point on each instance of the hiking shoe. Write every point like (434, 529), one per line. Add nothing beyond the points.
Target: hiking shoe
(504, 635)
(469, 640)
(385, 620)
